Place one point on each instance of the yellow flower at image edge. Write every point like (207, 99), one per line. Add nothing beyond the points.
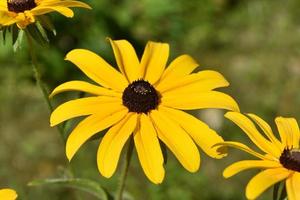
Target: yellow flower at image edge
(280, 159)
(144, 101)
(23, 12)
(8, 194)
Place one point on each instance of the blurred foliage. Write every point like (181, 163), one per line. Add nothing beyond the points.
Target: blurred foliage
(255, 44)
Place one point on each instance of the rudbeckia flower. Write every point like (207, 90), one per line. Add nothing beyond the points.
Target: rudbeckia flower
(24, 12)
(278, 159)
(8, 194)
(143, 100)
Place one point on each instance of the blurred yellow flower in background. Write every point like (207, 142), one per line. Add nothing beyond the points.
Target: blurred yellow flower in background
(8, 194)
(280, 159)
(143, 101)
(24, 12)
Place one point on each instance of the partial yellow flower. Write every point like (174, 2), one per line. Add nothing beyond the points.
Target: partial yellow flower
(24, 12)
(279, 159)
(143, 101)
(8, 194)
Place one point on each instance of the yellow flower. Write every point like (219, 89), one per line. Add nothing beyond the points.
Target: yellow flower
(280, 159)
(143, 101)
(24, 12)
(8, 194)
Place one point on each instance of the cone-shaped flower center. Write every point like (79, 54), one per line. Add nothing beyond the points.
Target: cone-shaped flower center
(18, 6)
(290, 159)
(141, 97)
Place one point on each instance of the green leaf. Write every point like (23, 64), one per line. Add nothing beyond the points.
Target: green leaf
(283, 194)
(276, 191)
(279, 191)
(45, 22)
(18, 43)
(15, 33)
(37, 34)
(86, 185)
(164, 151)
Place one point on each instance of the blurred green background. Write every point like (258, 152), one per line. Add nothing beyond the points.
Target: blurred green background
(254, 44)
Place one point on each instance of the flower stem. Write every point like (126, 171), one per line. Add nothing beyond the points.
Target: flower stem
(37, 76)
(124, 172)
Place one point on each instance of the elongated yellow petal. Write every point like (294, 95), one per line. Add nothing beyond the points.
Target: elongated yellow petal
(97, 69)
(84, 106)
(65, 4)
(112, 144)
(8, 194)
(267, 130)
(148, 149)
(84, 87)
(89, 127)
(249, 128)
(292, 186)
(211, 99)
(154, 61)
(203, 81)
(204, 136)
(3, 4)
(41, 10)
(127, 59)
(242, 147)
(288, 131)
(263, 180)
(249, 164)
(178, 68)
(177, 140)
(6, 20)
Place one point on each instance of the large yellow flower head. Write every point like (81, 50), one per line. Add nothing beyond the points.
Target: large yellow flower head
(8, 194)
(143, 101)
(280, 159)
(24, 12)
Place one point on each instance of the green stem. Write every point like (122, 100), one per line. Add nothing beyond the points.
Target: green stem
(37, 76)
(124, 172)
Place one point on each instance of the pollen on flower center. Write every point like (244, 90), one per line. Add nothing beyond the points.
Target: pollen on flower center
(18, 6)
(141, 97)
(290, 159)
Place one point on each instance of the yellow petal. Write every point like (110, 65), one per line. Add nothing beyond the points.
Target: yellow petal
(148, 149)
(249, 128)
(204, 136)
(41, 10)
(154, 61)
(203, 81)
(292, 186)
(84, 87)
(3, 8)
(127, 59)
(8, 194)
(89, 127)
(3, 4)
(267, 130)
(84, 106)
(242, 147)
(177, 140)
(97, 69)
(178, 68)
(263, 180)
(65, 4)
(112, 144)
(211, 99)
(6, 20)
(249, 164)
(288, 131)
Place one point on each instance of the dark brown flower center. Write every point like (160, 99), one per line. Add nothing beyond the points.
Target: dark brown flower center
(18, 6)
(140, 97)
(290, 159)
